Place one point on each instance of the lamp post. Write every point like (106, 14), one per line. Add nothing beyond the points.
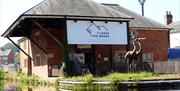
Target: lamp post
(142, 4)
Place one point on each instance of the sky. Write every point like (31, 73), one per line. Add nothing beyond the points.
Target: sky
(10, 10)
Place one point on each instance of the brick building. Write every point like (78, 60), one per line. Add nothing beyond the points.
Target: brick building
(156, 44)
(47, 41)
(6, 56)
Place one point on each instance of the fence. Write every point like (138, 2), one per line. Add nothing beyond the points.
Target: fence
(161, 67)
(168, 67)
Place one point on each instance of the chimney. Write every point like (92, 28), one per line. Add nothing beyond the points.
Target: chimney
(168, 17)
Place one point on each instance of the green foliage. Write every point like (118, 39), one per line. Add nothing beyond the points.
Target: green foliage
(25, 81)
(89, 80)
(115, 80)
(112, 76)
(17, 57)
(10, 46)
(128, 76)
(114, 84)
(2, 74)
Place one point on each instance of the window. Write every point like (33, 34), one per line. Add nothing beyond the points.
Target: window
(4, 58)
(37, 60)
(25, 62)
(37, 38)
(132, 35)
(147, 57)
(119, 56)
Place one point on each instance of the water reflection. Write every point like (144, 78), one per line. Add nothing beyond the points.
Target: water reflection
(12, 86)
(4, 86)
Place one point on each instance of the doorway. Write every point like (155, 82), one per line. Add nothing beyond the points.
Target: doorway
(89, 60)
(90, 63)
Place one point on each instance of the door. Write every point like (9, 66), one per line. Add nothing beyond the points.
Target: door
(89, 61)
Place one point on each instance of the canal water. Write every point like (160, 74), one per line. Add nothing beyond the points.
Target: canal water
(11, 86)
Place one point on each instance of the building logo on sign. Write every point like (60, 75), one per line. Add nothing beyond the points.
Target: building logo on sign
(96, 31)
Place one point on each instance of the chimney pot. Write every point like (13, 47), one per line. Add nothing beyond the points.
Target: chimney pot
(168, 17)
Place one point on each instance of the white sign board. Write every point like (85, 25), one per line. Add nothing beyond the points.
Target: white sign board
(96, 32)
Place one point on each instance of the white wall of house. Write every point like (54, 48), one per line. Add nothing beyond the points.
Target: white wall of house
(175, 40)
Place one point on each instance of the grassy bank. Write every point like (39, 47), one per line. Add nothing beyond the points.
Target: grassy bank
(114, 79)
(112, 76)
(126, 76)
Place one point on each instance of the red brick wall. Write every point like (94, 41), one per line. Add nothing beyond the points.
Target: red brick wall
(102, 59)
(41, 70)
(54, 48)
(156, 42)
(10, 57)
(115, 48)
(55, 52)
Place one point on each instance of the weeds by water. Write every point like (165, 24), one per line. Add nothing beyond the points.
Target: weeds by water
(24, 81)
(113, 78)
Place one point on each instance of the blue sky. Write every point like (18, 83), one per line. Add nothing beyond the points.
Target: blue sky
(154, 9)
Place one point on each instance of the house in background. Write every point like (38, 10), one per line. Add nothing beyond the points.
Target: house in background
(6, 57)
(175, 32)
(55, 30)
(174, 50)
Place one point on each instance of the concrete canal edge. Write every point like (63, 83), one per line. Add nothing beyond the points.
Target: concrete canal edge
(127, 84)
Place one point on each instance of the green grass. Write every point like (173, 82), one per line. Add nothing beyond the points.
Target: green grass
(115, 79)
(128, 76)
(112, 76)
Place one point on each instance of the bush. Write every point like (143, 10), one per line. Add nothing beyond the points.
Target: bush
(2, 74)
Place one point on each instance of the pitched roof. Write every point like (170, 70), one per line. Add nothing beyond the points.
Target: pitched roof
(138, 21)
(72, 9)
(175, 26)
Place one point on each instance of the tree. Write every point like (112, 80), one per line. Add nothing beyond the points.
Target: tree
(10, 46)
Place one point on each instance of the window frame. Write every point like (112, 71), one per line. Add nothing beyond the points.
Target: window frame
(37, 62)
(147, 57)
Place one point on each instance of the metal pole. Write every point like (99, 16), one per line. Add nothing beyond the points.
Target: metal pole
(142, 9)
(142, 5)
